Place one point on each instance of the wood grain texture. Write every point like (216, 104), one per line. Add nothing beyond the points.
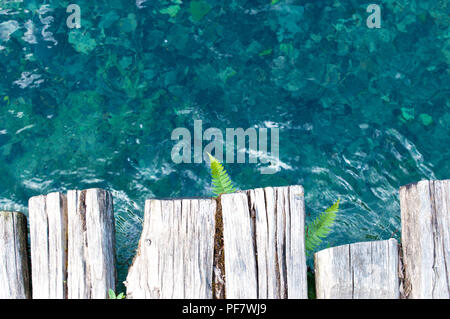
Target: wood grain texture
(264, 243)
(48, 242)
(426, 239)
(91, 244)
(241, 276)
(176, 249)
(367, 270)
(14, 268)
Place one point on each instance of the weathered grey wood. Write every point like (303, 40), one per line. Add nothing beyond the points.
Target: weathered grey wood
(48, 241)
(367, 270)
(176, 250)
(14, 268)
(264, 243)
(72, 245)
(91, 244)
(426, 239)
(241, 279)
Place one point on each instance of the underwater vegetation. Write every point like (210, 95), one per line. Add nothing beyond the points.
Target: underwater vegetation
(360, 111)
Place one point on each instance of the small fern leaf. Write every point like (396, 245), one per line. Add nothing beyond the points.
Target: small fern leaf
(112, 294)
(221, 181)
(320, 228)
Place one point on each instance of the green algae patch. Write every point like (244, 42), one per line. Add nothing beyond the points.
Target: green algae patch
(82, 42)
(425, 119)
(227, 73)
(172, 10)
(128, 24)
(407, 113)
(265, 52)
(199, 9)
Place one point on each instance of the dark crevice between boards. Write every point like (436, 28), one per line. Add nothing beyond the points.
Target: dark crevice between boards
(311, 282)
(109, 204)
(404, 284)
(28, 251)
(434, 227)
(82, 210)
(277, 264)
(281, 246)
(252, 212)
(218, 278)
(311, 275)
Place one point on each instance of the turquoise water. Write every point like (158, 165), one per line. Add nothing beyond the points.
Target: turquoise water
(360, 111)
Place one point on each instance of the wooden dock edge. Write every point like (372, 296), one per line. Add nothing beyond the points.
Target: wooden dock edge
(253, 247)
(423, 258)
(72, 240)
(249, 244)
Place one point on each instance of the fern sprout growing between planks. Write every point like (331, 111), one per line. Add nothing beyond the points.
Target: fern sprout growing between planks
(221, 181)
(315, 232)
(112, 295)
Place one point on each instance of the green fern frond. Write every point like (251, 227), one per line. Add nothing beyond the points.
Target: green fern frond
(221, 181)
(112, 295)
(320, 228)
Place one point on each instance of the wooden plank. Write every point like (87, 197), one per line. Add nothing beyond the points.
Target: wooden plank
(176, 249)
(367, 270)
(48, 241)
(264, 243)
(91, 244)
(240, 262)
(295, 242)
(426, 239)
(265, 226)
(14, 268)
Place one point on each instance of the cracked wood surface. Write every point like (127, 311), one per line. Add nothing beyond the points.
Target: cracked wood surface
(14, 268)
(72, 245)
(264, 243)
(48, 242)
(367, 270)
(426, 238)
(176, 251)
(91, 244)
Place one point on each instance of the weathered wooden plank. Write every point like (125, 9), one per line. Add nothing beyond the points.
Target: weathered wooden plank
(91, 244)
(176, 249)
(240, 262)
(264, 243)
(426, 239)
(265, 226)
(367, 270)
(48, 241)
(295, 242)
(14, 268)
